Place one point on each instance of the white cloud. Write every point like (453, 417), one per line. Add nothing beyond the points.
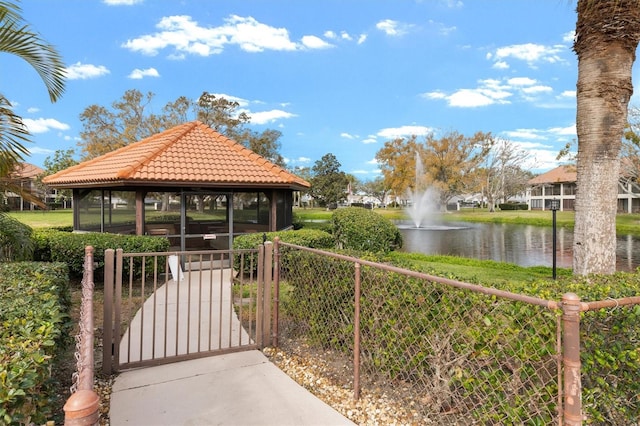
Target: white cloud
(398, 132)
(495, 91)
(80, 71)
(530, 53)
(38, 150)
(33, 110)
(138, 74)
(393, 28)
(568, 94)
(521, 81)
(347, 135)
(313, 42)
(525, 134)
(373, 161)
(43, 125)
(264, 117)
(187, 37)
(362, 38)
(369, 140)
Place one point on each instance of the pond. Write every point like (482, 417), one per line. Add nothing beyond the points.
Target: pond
(524, 245)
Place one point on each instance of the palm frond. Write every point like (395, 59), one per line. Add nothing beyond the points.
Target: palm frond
(20, 40)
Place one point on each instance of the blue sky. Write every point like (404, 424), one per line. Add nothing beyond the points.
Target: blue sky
(334, 76)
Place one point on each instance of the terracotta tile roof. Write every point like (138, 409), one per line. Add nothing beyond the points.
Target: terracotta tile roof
(26, 170)
(557, 175)
(191, 154)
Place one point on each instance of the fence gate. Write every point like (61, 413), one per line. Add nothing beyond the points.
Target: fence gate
(167, 307)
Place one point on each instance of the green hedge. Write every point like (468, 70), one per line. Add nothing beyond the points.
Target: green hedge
(504, 351)
(312, 238)
(34, 328)
(360, 229)
(58, 246)
(513, 206)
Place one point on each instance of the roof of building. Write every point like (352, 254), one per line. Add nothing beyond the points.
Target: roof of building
(561, 174)
(190, 154)
(25, 171)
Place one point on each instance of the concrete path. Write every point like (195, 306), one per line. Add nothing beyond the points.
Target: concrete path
(193, 314)
(242, 388)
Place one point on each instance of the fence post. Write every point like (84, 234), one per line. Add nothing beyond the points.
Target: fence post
(82, 406)
(571, 359)
(260, 298)
(276, 292)
(268, 291)
(107, 323)
(356, 335)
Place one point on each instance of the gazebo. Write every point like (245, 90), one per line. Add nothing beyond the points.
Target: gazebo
(188, 183)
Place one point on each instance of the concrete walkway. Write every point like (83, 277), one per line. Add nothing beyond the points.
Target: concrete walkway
(242, 388)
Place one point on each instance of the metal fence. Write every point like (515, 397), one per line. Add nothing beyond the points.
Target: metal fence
(82, 406)
(448, 351)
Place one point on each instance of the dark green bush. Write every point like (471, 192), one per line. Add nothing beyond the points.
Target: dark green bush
(312, 238)
(34, 328)
(15, 240)
(69, 247)
(364, 230)
(513, 206)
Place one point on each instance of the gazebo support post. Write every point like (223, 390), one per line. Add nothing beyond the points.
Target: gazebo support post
(140, 194)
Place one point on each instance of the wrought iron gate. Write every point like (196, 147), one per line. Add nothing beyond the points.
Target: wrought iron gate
(168, 307)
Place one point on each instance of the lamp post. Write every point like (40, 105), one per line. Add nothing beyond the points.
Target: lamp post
(554, 206)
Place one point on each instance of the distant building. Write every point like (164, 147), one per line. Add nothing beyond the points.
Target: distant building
(560, 184)
(23, 178)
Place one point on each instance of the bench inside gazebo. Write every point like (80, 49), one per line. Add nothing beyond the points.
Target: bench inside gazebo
(189, 183)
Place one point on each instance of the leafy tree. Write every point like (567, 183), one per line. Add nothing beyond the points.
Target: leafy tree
(223, 116)
(376, 188)
(129, 120)
(607, 36)
(501, 172)
(267, 145)
(397, 160)
(329, 183)
(450, 160)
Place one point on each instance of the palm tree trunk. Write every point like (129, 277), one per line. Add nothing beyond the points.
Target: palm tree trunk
(607, 34)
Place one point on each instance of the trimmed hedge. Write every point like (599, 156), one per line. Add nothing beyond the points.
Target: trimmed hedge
(503, 350)
(34, 328)
(312, 238)
(68, 247)
(513, 206)
(364, 230)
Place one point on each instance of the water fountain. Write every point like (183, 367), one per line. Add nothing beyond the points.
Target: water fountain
(424, 203)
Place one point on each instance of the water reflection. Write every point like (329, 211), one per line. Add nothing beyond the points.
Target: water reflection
(523, 245)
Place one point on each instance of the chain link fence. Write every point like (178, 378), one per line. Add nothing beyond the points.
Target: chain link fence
(453, 352)
(457, 355)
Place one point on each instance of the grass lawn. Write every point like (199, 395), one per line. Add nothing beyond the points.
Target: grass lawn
(45, 218)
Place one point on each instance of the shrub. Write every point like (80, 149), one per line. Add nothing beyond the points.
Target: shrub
(513, 206)
(466, 344)
(15, 240)
(312, 238)
(364, 230)
(69, 247)
(32, 333)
